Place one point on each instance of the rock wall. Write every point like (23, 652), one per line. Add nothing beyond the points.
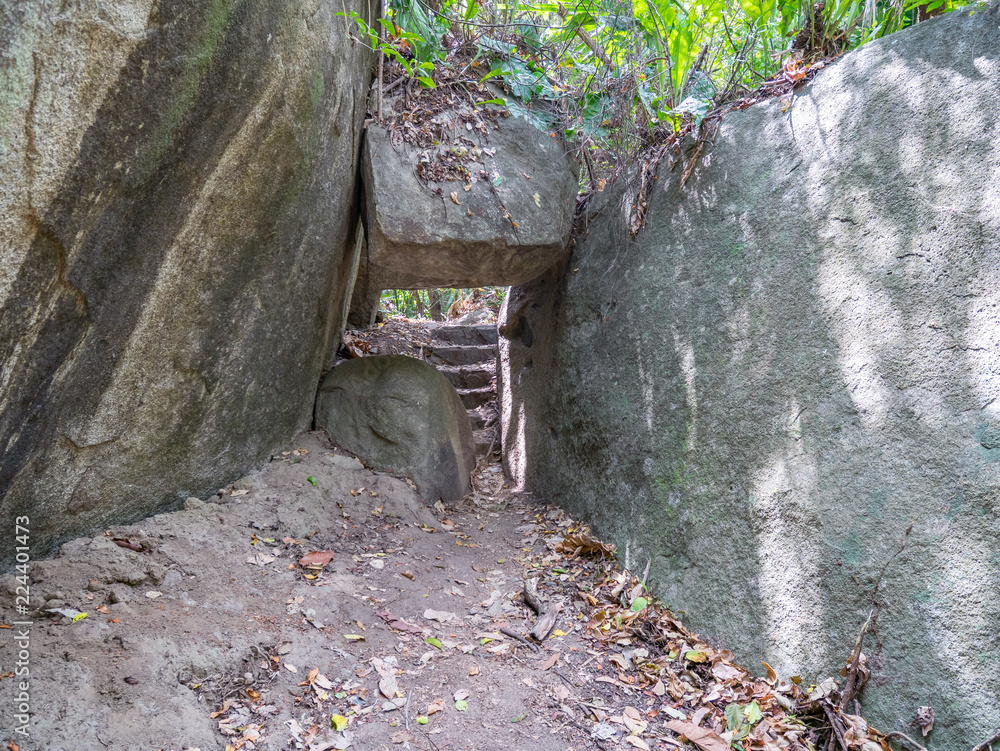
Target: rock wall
(795, 360)
(176, 196)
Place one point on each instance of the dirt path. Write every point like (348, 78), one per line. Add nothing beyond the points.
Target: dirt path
(216, 604)
(206, 630)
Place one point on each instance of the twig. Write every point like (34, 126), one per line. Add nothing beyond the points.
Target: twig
(587, 40)
(381, 67)
(546, 623)
(514, 635)
(389, 89)
(851, 688)
(406, 710)
(986, 745)
(836, 725)
(570, 683)
(912, 743)
(855, 663)
(649, 562)
(530, 595)
(906, 536)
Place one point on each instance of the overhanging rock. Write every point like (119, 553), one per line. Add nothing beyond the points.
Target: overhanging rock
(501, 215)
(795, 360)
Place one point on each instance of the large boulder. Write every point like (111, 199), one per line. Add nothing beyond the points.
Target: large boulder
(175, 203)
(490, 205)
(400, 415)
(795, 360)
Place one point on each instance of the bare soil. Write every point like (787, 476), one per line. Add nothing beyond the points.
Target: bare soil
(213, 611)
(207, 628)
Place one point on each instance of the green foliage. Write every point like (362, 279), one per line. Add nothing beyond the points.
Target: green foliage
(450, 303)
(741, 718)
(425, 52)
(614, 73)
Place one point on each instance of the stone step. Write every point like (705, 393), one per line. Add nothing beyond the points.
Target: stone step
(473, 398)
(468, 376)
(456, 355)
(484, 439)
(466, 335)
(484, 416)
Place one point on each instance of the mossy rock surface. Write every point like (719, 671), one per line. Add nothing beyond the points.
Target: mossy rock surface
(797, 358)
(176, 200)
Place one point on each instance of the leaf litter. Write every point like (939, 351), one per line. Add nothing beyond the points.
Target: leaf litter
(434, 648)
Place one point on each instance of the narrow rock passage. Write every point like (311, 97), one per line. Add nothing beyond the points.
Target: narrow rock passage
(204, 631)
(318, 605)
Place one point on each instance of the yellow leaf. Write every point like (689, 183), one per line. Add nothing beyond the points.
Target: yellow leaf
(338, 722)
(558, 632)
(354, 637)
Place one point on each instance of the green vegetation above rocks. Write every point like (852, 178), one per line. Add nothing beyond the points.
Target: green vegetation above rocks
(616, 76)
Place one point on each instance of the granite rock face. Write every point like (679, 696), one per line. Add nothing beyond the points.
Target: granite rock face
(400, 415)
(175, 206)
(795, 360)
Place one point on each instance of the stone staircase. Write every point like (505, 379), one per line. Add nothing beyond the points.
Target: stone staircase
(466, 356)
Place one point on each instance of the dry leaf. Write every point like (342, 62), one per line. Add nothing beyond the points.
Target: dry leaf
(454, 198)
(388, 686)
(638, 742)
(546, 664)
(702, 737)
(772, 677)
(316, 559)
(405, 627)
(925, 719)
(441, 616)
(435, 706)
(723, 671)
(574, 545)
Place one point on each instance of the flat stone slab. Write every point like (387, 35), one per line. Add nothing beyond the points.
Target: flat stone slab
(464, 355)
(506, 222)
(481, 334)
(468, 376)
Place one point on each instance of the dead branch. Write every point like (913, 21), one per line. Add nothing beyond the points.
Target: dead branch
(986, 745)
(546, 623)
(835, 724)
(851, 688)
(546, 616)
(514, 635)
(588, 40)
(530, 596)
(910, 742)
